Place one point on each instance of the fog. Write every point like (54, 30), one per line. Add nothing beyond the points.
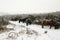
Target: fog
(28, 6)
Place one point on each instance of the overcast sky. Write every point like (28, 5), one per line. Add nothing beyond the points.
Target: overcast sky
(29, 6)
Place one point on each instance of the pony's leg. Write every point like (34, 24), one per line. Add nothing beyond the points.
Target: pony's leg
(50, 27)
(42, 26)
(27, 24)
(19, 21)
(30, 23)
(56, 27)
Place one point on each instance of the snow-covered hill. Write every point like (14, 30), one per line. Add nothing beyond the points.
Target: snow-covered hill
(30, 32)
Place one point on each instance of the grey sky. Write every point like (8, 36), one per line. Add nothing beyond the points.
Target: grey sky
(29, 6)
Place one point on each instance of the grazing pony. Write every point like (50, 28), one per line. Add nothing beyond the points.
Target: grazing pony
(56, 23)
(51, 23)
(22, 20)
(26, 20)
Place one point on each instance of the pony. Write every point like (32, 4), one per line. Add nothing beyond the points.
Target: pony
(22, 20)
(46, 22)
(51, 23)
(26, 20)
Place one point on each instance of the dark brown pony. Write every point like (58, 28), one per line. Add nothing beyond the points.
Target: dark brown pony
(51, 23)
(46, 22)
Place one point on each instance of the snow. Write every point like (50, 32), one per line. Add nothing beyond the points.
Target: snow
(30, 32)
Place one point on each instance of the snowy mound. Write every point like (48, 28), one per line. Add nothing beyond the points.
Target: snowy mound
(30, 32)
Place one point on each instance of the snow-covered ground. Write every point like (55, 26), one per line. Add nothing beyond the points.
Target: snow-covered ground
(30, 32)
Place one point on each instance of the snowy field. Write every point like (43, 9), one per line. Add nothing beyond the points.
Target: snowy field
(30, 32)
